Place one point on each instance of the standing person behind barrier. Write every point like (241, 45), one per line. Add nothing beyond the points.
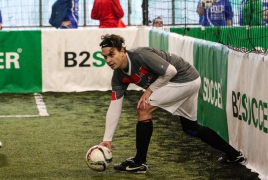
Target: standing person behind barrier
(251, 13)
(158, 22)
(108, 12)
(72, 16)
(265, 12)
(216, 12)
(201, 17)
(0, 20)
(64, 14)
(170, 83)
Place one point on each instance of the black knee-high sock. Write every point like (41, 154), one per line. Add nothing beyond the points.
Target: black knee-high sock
(210, 137)
(144, 131)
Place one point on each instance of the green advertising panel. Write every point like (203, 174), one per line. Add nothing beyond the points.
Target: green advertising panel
(211, 60)
(246, 38)
(158, 39)
(20, 62)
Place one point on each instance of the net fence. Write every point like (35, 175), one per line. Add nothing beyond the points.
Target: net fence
(247, 31)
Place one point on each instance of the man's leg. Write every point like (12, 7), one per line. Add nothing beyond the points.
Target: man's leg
(144, 130)
(210, 137)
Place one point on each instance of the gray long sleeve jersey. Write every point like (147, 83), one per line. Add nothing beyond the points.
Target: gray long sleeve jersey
(145, 66)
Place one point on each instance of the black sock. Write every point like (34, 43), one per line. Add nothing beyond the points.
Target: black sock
(144, 130)
(210, 137)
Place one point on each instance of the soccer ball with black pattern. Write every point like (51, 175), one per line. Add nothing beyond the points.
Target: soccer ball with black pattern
(98, 158)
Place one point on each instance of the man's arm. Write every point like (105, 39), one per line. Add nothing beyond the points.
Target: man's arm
(94, 11)
(229, 22)
(158, 83)
(117, 8)
(163, 80)
(228, 13)
(112, 118)
(200, 9)
(265, 15)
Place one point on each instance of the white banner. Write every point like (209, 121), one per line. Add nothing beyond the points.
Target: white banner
(72, 60)
(247, 109)
(181, 46)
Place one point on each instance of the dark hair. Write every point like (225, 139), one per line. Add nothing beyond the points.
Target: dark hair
(114, 41)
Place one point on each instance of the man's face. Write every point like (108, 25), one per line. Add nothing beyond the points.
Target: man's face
(114, 58)
(158, 23)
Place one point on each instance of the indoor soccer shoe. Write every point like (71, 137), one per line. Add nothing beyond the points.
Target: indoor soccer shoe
(130, 166)
(239, 159)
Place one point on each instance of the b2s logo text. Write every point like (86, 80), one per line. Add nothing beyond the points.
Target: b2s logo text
(72, 59)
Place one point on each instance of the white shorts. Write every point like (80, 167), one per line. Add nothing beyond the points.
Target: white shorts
(178, 98)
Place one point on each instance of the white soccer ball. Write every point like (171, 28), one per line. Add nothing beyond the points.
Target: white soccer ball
(99, 158)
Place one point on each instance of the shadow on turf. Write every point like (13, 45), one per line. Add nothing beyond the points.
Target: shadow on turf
(3, 160)
(194, 155)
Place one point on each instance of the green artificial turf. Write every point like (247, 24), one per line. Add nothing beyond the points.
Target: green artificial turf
(54, 147)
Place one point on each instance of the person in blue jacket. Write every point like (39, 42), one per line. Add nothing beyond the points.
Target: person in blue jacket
(71, 19)
(215, 13)
(265, 12)
(0, 20)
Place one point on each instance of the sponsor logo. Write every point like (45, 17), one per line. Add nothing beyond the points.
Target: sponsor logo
(10, 60)
(250, 110)
(212, 92)
(131, 169)
(72, 59)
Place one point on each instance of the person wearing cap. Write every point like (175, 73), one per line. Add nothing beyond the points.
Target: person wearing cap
(170, 83)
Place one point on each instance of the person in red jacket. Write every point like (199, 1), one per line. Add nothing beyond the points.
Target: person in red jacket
(108, 12)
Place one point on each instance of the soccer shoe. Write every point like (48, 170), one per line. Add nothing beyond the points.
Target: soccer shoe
(239, 159)
(130, 166)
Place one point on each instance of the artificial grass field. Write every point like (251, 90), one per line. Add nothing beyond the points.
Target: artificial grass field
(54, 147)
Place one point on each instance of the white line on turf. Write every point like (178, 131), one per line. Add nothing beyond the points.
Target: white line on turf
(41, 106)
(11, 116)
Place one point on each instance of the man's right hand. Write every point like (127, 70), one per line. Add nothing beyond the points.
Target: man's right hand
(66, 23)
(107, 144)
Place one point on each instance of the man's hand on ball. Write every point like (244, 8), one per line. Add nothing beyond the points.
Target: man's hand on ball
(107, 144)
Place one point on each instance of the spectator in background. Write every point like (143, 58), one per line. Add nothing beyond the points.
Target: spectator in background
(64, 14)
(201, 17)
(251, 13)
(0, 20)
(158, 22)
(265, 12)
(72, 17)
(215, 12)
(108, 12)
